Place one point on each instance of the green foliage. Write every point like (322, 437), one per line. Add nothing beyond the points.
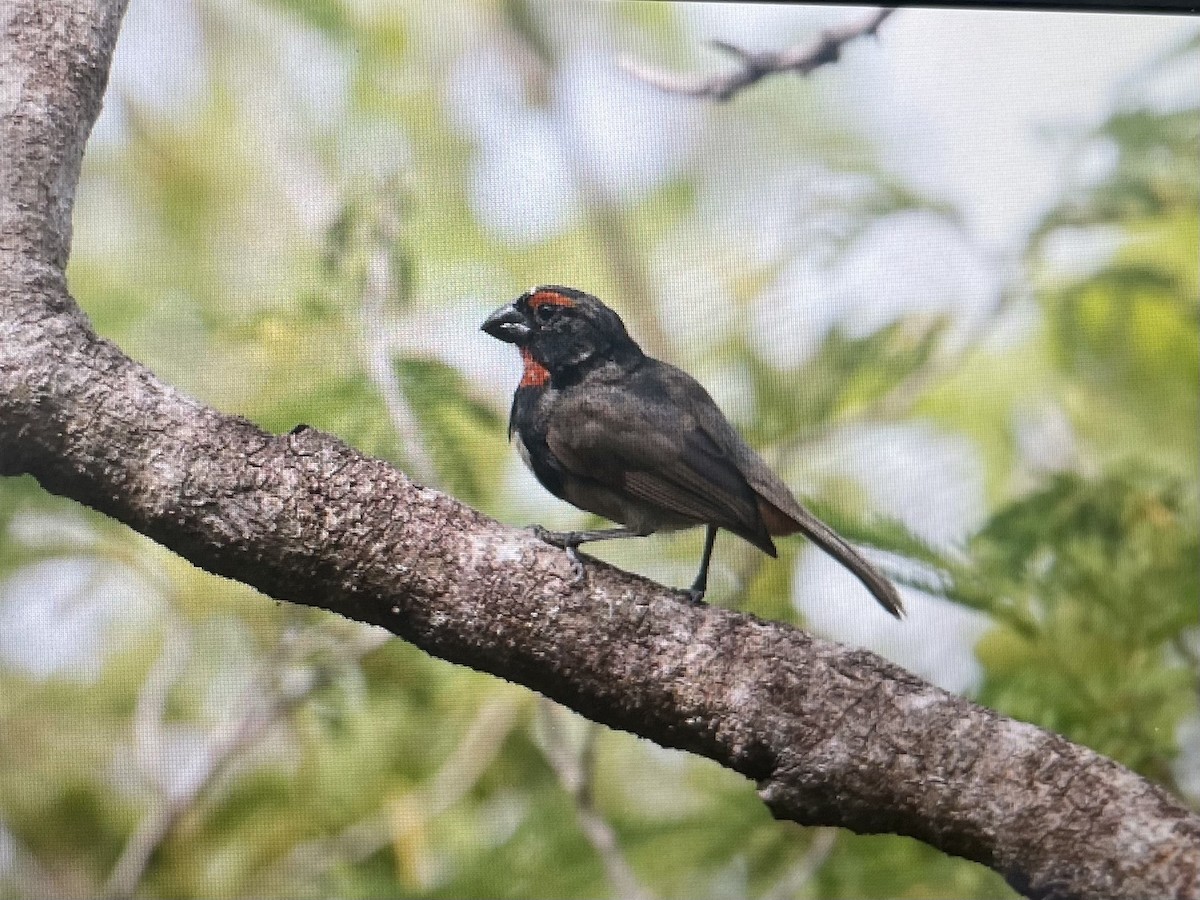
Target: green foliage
(1107, 569)
(462, 433)
(236, 246)
(842, 379)
(864, 866)
(1099, 572)
(1147, 182)
(1128, 333)
(328, 16)
(54, 803)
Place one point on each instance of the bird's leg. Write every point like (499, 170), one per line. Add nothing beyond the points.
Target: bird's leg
(700, 585)
(569, 540)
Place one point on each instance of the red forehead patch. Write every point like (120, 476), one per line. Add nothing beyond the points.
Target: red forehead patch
(554, 298)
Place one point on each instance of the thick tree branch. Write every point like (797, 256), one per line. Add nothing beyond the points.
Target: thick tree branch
(832, 736)
(800, 59)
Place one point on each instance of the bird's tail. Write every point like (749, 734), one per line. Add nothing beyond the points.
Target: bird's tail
(801, 520)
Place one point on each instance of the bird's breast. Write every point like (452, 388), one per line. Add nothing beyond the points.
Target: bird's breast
(530, 441)
(522, 449)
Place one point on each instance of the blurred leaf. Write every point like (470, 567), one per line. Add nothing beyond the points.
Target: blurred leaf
(769, 591)
(464, 435)
(860, 866)
(1131, 330)
(346, 405)
(328, 16)
(844, 375)
(1107, 568)
(523, 19)
(1155, 174)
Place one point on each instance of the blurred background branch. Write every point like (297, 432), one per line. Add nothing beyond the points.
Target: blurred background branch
(403, 824)
(574, 764)
(754, 66)
(287, 678)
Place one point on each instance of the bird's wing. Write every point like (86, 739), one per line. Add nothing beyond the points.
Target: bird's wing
(645, 438)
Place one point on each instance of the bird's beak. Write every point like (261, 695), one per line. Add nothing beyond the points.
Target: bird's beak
(507, 324)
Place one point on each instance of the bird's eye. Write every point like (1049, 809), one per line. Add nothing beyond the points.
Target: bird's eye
(546, 312)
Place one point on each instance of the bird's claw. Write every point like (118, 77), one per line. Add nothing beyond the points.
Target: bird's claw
(565, 540)
(695, 596)
(577, 565)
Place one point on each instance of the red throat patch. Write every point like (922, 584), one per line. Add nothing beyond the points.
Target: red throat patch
(534, 374)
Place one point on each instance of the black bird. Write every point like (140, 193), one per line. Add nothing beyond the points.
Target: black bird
(635, 440)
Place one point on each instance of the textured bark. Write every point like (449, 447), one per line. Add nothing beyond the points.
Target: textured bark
(832, 736)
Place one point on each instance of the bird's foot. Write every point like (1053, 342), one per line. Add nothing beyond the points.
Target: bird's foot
(695, 596)
(564, 539)
(577, 565)
(567, 540)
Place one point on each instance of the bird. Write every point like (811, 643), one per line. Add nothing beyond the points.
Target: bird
(637, 441)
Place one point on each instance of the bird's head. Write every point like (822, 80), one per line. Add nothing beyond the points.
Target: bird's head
(564, 330)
